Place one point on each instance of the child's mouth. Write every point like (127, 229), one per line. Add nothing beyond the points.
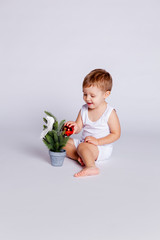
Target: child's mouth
(89, 103)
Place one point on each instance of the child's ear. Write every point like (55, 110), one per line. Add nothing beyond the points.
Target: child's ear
(107, 94)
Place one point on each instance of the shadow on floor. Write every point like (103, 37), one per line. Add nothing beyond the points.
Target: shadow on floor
(37, 152)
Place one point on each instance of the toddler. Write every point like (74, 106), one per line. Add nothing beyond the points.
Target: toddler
(99, 123)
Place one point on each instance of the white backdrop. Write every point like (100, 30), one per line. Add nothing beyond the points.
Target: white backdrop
(47, 48)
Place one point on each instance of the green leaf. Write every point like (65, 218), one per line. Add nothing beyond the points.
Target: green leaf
(55, 137)
(45, 120)
(56, 146)
(49, 139)
(51, 133)
(61, 125)
(44, 127)
(55, 126)
(60, 138)
(51, 115)
(47, 144)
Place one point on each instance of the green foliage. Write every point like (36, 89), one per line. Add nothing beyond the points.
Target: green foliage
(50, 146)
(55, 139)
(51, 115)
(49, 139)
(55, 126)
(61, 125)
(45, 120)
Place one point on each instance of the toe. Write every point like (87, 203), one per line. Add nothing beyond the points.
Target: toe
(80, 174)
(76, 175)
(87, 172)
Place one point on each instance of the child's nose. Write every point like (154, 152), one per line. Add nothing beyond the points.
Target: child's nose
(88, 98)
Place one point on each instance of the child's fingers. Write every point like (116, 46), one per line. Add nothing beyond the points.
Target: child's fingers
(71, 124)
(68, 123)
(86, 139)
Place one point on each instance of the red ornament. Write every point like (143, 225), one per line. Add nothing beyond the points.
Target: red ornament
(68, 130)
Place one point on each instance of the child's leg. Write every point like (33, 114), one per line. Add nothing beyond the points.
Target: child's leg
(89, 153)
(71, 151)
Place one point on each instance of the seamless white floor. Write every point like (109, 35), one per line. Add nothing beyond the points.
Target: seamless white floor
(46, 50)
(39, 201)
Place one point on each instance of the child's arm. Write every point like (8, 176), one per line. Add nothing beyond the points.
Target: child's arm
(115, 132)
(78, 124)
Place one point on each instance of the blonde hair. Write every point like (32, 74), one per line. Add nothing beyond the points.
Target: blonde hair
(100, 78)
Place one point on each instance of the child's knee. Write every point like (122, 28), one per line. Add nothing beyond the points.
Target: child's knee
(87, 148)
(82, 147)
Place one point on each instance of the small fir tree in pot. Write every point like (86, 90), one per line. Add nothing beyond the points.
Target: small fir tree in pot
(55, 136)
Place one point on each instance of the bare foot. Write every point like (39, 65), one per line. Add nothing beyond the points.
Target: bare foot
(87, 171)
(81, 161)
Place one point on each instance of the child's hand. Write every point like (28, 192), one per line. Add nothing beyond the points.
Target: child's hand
(92, 140)
(72, 124)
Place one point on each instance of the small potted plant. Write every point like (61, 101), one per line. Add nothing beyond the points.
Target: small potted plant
(55, 136)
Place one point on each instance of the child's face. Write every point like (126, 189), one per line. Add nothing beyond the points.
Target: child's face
(94, 96)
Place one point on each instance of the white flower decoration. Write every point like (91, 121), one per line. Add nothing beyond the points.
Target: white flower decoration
(49, 124)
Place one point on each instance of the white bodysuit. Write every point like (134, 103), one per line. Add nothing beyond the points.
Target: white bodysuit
(97, 129)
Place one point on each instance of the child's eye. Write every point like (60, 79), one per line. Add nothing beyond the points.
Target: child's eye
(92, 96)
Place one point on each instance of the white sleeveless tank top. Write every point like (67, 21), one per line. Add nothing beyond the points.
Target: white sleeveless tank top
(97, 129)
